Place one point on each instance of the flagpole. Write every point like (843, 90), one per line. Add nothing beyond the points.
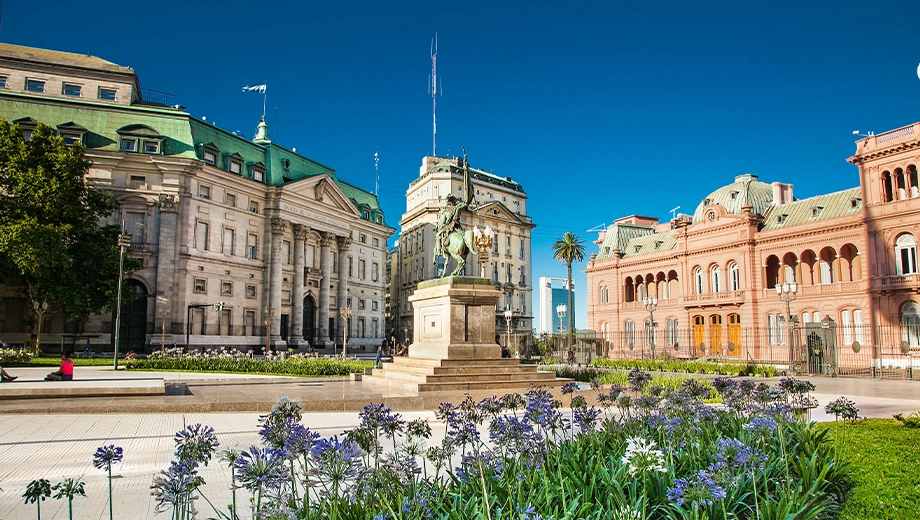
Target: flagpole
(264, 100)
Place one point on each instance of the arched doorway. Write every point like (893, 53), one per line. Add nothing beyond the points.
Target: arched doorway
(133, 333)
(715, 334)
(699, 334)
(734, 334)
(309, 319)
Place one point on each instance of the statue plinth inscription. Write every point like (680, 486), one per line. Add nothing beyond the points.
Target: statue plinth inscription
(455, 319)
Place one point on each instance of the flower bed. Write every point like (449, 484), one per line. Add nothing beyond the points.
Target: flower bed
(235, 361)
(15, 356)
(520, 457)
(693, 367)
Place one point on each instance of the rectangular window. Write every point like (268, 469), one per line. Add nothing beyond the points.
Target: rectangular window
(286, 252)
(375, 271)
(253, 206)
(201, 285)
(226, 288)
(72, 139)
(107, 94)
(507, 245)
(495, 243)
(128, 145)
(375, 325)
(361, 330)
(210, 158)
(361, 304)
(362, 274)
(201, 236)
(137, 181)
(230, 199)
(362, 238)
(374, 305)
(235, 167)
(376, 242)
(34, 85)
(250, 291)
(134, 226)
(522, 249)
(229, 236)
(73, 90)
(258, 175)
(2, 81)
(335, 265)
(151, 146)
(249, 322)
(204, 192)
(252, 246)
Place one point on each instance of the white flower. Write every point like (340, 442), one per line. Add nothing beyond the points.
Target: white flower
(641, 456)
(626, 513)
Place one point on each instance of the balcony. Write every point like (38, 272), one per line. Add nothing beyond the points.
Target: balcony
(819, 289)
(711, 299)
(898, 281)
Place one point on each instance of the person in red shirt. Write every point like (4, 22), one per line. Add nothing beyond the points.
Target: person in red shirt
(66, 371)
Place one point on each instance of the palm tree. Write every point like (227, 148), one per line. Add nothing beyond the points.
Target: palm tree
(567, 249)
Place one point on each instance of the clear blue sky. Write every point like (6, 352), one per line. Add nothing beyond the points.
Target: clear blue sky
(599, 109)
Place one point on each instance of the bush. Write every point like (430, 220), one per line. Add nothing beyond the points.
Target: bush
(233, 361)
(690, 366)
(911, 421)
(15, 356)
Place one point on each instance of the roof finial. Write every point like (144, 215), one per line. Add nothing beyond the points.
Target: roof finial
(262, 132)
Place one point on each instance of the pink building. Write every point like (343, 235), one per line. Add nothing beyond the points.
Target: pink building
(706, 284)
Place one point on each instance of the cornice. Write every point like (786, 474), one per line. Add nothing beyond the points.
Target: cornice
(877, 154)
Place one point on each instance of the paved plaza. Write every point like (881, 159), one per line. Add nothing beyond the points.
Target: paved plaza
(60, 443)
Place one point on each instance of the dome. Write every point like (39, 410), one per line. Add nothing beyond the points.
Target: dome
(745, 190)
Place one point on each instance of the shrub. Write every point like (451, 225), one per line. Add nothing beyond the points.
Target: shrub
(234, 361)
(911, 421)
(15, 356)
(688, 366)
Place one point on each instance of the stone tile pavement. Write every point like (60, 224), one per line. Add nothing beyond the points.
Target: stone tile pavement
(55, 438)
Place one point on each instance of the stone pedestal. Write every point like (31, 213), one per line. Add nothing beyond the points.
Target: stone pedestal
(455, 348)
(454, 318)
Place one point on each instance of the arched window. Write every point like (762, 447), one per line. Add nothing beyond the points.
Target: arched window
(858, 325)
(649, 334)
(734, 277)
(715, 279)
(698, 280)
(886, 186)
(788, 274)
(776, 329)
(910, 323)
(846, 319)
(640, 292)
(905, 250)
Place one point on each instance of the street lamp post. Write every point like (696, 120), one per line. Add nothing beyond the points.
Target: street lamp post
(651, 303)
(124, 242)
(482, 239)
(406, 335)
(509, 315)
(345, 313)
(786, 293)
(561, 309)
(40, 310)
(269, 317)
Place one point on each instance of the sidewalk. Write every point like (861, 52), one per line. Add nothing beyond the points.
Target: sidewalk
(37, 442)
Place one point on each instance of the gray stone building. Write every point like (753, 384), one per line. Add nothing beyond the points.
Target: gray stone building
(277, 238)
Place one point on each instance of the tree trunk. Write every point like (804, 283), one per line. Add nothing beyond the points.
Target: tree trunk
(571, 309)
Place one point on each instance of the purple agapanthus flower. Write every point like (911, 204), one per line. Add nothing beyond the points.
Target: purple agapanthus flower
(105, 456)
(261, 468)
(701, 490)
(196, 443)
(763, 426)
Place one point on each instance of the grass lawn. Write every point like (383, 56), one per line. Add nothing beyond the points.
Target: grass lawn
(55, 361)
(884, 458)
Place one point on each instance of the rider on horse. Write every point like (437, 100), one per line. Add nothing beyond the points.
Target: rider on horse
(448, 222)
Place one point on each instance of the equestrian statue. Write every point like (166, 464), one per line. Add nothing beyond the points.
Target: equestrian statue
(452, 241)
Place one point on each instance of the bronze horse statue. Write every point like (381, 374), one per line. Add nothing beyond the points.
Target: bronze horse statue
(457, 245)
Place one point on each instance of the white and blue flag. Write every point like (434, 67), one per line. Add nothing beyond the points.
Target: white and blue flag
(255, 88)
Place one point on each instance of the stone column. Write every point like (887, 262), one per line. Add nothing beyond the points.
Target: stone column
(300, 236)
(279, 226)
(344, 243)
(166, 270)
(322, 306)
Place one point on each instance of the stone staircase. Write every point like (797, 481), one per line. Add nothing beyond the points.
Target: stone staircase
(433, 375)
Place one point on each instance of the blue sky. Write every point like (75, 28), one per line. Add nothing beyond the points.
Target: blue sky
(599, 109)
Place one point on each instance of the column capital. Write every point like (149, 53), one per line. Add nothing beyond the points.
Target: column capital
(301, 231)
(279, 225)
(169, 203)
(328, 239)
(344, 243)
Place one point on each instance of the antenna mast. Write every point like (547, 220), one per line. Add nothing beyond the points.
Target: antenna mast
(434, 95)
(377, 172)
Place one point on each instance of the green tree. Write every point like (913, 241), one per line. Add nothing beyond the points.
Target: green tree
(53, 240)
(568, 249)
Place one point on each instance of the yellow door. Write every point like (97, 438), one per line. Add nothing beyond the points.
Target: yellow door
(734, 334)
(715, 335)
(699, 335)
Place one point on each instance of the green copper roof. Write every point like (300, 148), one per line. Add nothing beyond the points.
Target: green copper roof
(745, 190)
(183, 136)
(651, 244)
(815, 209)
(618, 236)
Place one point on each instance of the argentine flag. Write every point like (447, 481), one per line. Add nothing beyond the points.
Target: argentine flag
(255, 88)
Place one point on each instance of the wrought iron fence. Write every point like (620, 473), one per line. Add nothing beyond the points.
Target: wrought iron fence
(811, 348)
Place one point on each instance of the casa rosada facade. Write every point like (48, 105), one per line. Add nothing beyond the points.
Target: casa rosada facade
(706, 284)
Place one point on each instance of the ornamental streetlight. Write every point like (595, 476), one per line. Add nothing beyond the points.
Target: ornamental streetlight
(40, 310)
(651, 303)
(509, 315)
(786, 293)
(561, 309)
(345, 313)
(164, 315)
(482, 239)
(124, 242)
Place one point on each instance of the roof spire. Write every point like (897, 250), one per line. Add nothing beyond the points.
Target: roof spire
(262, 133)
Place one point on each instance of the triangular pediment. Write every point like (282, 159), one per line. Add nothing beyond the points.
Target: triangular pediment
(322, 190)
(499, 211)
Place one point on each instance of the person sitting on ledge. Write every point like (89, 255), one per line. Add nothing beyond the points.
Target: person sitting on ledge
(506, 352)
(131, 355)
(5, 376)
(65, 373)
